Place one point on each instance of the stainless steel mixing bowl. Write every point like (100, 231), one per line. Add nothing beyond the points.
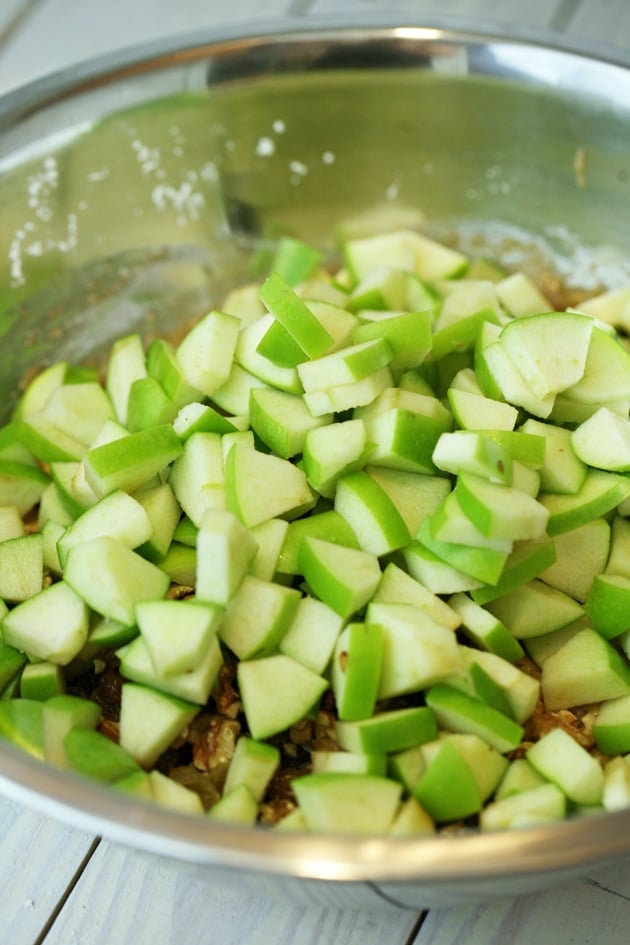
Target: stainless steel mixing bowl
(135, 190)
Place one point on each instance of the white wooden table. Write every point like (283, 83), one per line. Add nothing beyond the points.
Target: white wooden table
(59, 886)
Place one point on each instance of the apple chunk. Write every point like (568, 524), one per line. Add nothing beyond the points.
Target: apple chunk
(343, 578)
(336, 802)
(277, 692)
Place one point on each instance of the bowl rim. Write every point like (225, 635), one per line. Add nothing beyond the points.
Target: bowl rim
(83, 75)
(561, 846)
(435, 860)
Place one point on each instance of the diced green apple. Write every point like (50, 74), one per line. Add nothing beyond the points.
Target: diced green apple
(93, 754)
(415, 495)
(386, 732)
(535, 609)
(205, 354)
(125, 364)
(562, 471)
(473, 452)
(356, 670)
(131, 461)
(602, 491)
(150, 720)
(270, 537)
(344, 578)
(257, 617)
(405, 428)
(519, 776)
(580, 554)
(611, 727)
(500, 511)
(603, 441)
(62, 714)
(277, 692)
(294, 260)
(332, 450)
(520, 296)
(282, 420)
(528, 560)
(608, 604)
(249, 358)
(408, 333)
(485, 629)
(480, 564)
(606, 375)
(371, 514)
(260, 486)
(42, 681)
(295, 316)
(11, 662)
(473, 411)
(397, 586)
(458, 712)
(404, 249)
(348, 803)
(169, 793)
(348, 762)
(225, 551)
(112, 579)
(163, 512)
(193, 686)
(148, 405)
(312, 634)
(350, 364)
(585, 670)
(233, 395)
(341, 397)
(22, 724)
(447, 789)
(51, 625)
(616, 794)
(417, 651)
(549, 349)
(79, 410)
(237, 806)
(197, 476)
(118, 515)
(568, 765)
(164, 366)
(538, 805)
(253, 764)
(21, 567)
(328, 525)
(437, 575)
(177, 633)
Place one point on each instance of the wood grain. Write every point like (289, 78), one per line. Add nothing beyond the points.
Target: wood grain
(125, 897)
(602, 20)
(533, 13)
(38, 861)
(58, 33)
(582, 914)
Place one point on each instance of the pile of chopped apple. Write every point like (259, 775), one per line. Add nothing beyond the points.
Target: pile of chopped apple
(405, 484)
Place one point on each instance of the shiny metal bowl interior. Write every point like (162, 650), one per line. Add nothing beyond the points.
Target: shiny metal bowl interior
(136, 190)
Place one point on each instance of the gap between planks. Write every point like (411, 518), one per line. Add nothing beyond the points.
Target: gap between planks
(52, 918)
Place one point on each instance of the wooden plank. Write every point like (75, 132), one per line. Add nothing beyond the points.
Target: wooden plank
(531, 14)
(594, 910)
(607, 22)
(11, 11)
(38, 861)
(61, 32)
(126, 897)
